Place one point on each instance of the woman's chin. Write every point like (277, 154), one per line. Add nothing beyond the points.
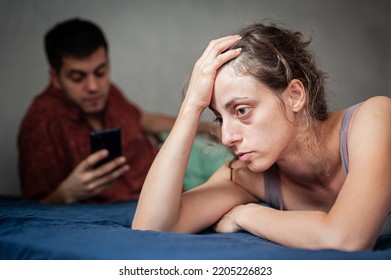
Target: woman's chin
(256, 168)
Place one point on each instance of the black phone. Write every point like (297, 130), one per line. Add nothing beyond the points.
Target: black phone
(110, 140)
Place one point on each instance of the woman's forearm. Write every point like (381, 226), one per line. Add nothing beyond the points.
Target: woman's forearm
(300, 229)
(289, 228)
(159, 204)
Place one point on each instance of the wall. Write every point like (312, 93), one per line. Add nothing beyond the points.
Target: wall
(154, 43)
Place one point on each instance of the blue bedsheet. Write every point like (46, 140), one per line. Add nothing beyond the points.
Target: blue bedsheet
(29, 230)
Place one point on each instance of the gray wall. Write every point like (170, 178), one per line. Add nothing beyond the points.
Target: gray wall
(154, 44)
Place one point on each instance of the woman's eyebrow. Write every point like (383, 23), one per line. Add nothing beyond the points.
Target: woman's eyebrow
(233, 100)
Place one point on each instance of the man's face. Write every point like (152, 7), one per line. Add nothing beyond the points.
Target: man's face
(85, 82)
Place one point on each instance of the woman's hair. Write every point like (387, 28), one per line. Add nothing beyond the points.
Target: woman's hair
(275, 56)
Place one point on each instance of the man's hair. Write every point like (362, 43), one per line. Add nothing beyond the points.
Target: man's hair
(74, 38)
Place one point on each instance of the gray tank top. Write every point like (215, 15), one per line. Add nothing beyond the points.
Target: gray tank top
(272, 181)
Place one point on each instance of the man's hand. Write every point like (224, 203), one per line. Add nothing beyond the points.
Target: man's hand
(85, 181)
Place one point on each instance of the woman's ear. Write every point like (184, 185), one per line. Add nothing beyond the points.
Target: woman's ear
(296, 95)
(54, 78)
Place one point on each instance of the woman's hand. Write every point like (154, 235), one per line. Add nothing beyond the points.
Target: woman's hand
(228, 223)
(199, 93)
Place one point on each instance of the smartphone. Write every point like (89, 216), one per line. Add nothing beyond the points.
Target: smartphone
(110, 140)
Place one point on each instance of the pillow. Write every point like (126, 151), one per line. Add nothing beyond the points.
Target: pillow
(206, 157)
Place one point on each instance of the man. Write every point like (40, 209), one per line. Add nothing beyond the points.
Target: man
(55, 163)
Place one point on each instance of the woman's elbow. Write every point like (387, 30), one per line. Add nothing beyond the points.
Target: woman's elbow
(151, 225)
(137, 225)
(346, 241)
(144, 225)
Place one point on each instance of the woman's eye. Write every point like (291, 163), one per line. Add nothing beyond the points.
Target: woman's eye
(241, 111)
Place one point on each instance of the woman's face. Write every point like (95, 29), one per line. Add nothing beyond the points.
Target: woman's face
(253, 122)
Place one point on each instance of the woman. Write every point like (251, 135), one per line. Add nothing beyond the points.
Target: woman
(329, 172)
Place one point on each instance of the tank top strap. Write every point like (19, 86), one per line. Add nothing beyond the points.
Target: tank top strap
(272, 187)
(343, 146)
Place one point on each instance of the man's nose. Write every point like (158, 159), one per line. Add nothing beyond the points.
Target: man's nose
(92, 84)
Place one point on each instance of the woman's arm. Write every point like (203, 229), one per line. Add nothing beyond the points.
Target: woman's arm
(354, 221)
(160, 206)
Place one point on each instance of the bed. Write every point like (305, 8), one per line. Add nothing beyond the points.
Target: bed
(29, 230)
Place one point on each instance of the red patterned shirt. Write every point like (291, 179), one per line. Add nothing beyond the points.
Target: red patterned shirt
(54, 138)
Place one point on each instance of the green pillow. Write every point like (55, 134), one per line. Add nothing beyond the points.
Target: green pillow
(206, 157)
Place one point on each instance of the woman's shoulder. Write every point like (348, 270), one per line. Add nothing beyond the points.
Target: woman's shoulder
(370, 123)
(376, 103)
(374, 109)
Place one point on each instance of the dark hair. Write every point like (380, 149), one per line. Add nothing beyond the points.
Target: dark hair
(275, 56)
(76, 38)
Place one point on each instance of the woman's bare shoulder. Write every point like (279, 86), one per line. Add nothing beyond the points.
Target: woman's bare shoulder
(374, 111)
(370, 131)
(376, 104)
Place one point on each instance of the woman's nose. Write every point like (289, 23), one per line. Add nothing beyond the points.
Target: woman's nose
(229, 135)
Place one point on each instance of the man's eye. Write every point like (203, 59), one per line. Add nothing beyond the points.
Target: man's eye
(77, 78)
(100, 74)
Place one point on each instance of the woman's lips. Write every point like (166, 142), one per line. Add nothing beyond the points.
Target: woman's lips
(244, 156)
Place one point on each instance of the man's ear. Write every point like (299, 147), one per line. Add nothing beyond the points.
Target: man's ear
(54, 78)
(297, 95)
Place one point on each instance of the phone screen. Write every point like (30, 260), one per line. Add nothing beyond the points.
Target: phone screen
(110, 140)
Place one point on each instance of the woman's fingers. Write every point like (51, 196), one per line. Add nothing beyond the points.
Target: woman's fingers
(200, 88)
(216, 54)
(222, 59)
(217, 46)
